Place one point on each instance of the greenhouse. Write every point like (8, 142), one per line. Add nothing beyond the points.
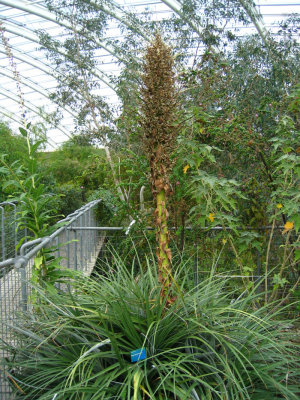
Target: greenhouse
(149, 199)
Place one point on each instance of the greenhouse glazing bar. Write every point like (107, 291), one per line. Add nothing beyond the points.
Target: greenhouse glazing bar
(44, 13)
(16, 30)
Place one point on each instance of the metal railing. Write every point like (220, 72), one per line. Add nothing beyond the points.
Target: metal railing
(73, 243)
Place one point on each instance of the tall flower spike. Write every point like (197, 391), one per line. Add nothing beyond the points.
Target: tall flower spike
(158, 122)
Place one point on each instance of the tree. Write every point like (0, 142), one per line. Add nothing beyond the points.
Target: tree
(79, 79)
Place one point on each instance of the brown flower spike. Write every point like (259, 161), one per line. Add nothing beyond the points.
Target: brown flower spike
(158, 122)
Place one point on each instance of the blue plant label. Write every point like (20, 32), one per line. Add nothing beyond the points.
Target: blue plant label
(138, 355)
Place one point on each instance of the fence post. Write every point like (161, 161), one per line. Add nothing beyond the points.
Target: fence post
(68, 247)
(81, 243)
(2, 233)
(21, 263)
(258, 269)
(196, 265)
(75, 250)
(24, 295)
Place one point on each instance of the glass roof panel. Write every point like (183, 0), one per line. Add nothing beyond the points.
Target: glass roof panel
(30, 65)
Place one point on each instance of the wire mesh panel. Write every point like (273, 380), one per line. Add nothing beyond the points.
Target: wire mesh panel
(244, 259)
(76, 244)
(11, 301)
(10, 235)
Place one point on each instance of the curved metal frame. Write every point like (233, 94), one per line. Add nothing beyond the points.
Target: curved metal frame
(20, 123)
(176, 7)
(30, 107)
(44, 13)
(22, 32)
(118, 13)
(36, 88)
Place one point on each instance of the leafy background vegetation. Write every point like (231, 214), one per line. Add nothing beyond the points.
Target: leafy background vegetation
(235, 167)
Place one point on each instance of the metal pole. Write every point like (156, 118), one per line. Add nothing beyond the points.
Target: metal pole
(93, 232)
(98, 228)
(24, 295)
(89, 234)
(57, 253)
(2, 233)
(81, 243)
(68, 249)
(196, 281)
(84, 241)
(75, 251)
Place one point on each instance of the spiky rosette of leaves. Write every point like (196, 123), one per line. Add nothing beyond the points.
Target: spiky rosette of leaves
(158, 122)
(210, 344)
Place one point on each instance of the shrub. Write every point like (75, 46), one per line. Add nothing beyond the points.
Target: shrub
(71, 197)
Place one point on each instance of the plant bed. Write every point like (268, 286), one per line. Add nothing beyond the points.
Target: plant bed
(204, 345)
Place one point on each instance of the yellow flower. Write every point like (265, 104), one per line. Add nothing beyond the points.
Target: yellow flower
(211, 217)
(279, 205)
(186, 168)
(224, 241)
(287, 227)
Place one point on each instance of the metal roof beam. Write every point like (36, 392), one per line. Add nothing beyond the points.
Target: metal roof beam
(9, 27)
(30, 107)
(20, 123)
(256, 18)
(30, 61)
(34, 63)
(44, 13)
(36, 88)
(15, 29)
(176, 7)
(249, 7)
(118, 16)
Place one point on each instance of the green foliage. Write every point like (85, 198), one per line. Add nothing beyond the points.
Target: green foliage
(210, 197)
(253, 210)
(24, 185)
(73, 162)
(69, 198)
(206, 345)
(36, 212)
(214, 196)
(13, 146)
(285, 151)
(73, 172)
(239, 95)
(234, 92)
(111, 210)
(47, 273)
(131, 170)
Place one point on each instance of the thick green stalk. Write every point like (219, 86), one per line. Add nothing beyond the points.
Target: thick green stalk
(163, 251)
